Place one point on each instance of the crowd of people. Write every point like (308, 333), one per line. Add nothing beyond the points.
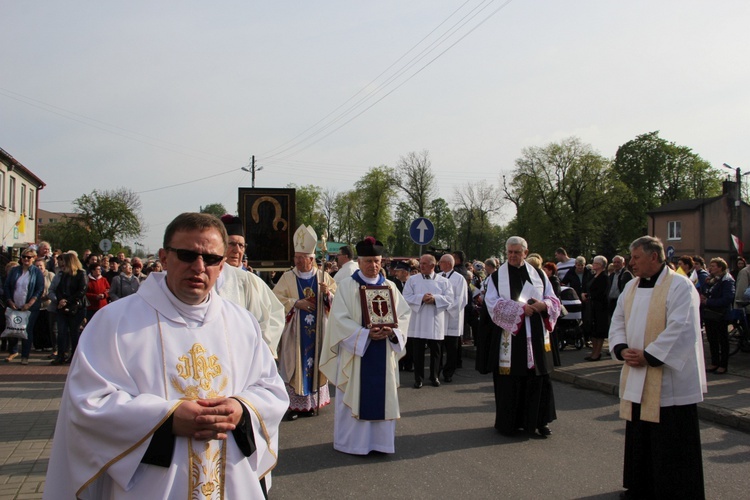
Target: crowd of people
(62, 293)
(355, 328)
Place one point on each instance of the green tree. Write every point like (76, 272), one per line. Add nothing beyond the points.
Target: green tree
(347, 216)
(216, 209)
(439, 212)
(376, 198)
(655, 172)
(114, 215)
(309, 207)
(562, 193)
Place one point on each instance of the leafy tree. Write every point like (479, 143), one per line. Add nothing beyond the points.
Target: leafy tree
(376, 198)
(440, 214)
(401, 244)
(216, 209)
(309, 207)
(414, 177)
(347, 216)
(114, 215)
(562, 193)
(655, 172)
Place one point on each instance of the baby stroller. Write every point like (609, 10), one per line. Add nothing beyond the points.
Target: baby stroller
(569, 327)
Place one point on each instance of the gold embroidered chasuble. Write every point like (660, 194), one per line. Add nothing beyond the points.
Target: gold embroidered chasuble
(137, 362)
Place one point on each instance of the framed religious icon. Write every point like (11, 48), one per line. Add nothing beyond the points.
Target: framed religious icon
(268, 216)
(378, 306)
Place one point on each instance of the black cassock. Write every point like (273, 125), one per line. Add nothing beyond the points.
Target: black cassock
(524, 398)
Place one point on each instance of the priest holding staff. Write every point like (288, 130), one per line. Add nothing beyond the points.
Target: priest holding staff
(306, 293)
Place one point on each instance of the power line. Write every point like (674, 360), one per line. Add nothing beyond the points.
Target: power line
(433, 46)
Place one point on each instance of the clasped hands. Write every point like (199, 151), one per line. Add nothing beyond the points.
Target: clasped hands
(537, 306)
(428, 298)
(380, 333)
(633, 357)
(206, 419)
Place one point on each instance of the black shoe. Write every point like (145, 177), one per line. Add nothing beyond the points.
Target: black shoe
(448, 379)
(307, 414)
(418, 384)
(290, 416)
(544, 430)
(436, 383)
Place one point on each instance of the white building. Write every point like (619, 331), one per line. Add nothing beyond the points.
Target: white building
(19, 197)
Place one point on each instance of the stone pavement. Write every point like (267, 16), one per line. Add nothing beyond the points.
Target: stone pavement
(30, 398)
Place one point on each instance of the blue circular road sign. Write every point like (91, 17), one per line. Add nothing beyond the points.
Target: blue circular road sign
(422, 230)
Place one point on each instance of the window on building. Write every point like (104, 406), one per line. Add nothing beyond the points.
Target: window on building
(674, 230)
(12, 193)
(2, 189)
(31, 214)
(23, 197)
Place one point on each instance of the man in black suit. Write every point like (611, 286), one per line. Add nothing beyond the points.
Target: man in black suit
(617, 281)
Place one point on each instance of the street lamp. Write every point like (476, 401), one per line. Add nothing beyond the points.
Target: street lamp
(252, 169)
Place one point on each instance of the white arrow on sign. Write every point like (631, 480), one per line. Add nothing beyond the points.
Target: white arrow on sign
(422, 228)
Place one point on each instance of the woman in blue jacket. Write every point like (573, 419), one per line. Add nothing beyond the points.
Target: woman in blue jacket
(717, 297)
(23, 289)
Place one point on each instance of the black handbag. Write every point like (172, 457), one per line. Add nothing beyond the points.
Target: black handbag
(71, 308)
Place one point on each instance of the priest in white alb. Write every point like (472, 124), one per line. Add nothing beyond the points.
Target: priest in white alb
(656, 331)
(430, 296)
(172, 392)
(246, 289)
(361, 357)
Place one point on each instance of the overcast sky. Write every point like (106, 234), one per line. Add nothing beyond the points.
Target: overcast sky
(148, 94)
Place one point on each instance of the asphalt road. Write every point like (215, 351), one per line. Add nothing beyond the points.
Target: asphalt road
(446, 447)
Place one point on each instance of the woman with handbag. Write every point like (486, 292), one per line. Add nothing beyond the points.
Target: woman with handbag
(23, 288)
(69, 294)
(717, 296)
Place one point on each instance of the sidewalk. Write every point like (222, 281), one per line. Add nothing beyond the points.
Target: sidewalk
(29, 401)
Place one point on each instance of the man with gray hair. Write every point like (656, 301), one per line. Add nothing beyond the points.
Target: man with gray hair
(347, 266)
(617, 282)
(455, 320)
(655, 331)
(430, 296)
(524, 309)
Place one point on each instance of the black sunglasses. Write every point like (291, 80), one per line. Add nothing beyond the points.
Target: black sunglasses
(189, 256)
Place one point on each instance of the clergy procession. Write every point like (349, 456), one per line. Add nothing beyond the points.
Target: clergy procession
(182, 388)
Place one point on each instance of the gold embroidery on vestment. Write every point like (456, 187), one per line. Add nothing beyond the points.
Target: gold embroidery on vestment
(201, 369)
(207, 470)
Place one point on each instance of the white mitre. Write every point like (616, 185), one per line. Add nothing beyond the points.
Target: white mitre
(305, 240)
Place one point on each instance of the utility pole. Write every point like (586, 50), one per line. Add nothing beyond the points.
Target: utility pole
(251, 168)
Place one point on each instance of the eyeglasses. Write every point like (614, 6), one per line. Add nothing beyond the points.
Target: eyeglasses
(237, 244)
(28, 256)
(189, 256)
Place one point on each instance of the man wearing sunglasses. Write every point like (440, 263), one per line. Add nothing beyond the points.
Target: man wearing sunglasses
(246, 289)
(172, 392)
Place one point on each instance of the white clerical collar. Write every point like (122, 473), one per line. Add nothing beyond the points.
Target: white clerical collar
(306, 275)
(369, 281)
(194, 315)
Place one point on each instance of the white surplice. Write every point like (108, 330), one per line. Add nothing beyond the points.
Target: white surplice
(138, 360)
(346, 271)
(679, 346)
(345, 343)
(428, 320)
(455, 322)
(249, 291)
